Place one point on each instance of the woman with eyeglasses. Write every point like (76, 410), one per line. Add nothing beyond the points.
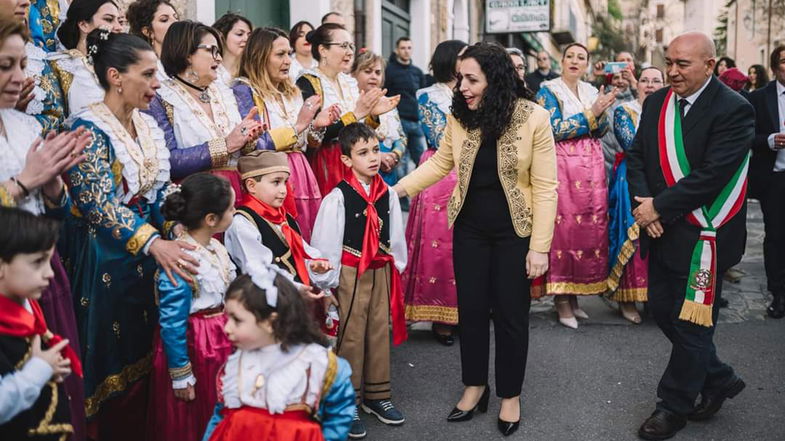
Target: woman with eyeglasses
(332, 47)
(628, 279)
(519, 61)
(200, 116)
(73, 67)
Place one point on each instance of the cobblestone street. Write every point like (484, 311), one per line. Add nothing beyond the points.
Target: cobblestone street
(599, 382)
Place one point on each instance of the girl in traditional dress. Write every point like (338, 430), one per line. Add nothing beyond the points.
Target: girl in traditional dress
(368, 70)
(74, 67)
(579, 254)
(116, 235)
(190, 347)
(235, 30)
(302, 58)
(199, 115)
(29, 178)
(265, 85)
(332, 47)
(429, 279)
(283, 382)
(151, 19)
(628, 279)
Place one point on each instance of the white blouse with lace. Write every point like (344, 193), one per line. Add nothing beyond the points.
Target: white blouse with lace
(20, 131)
(192, 125)
(78, 80)
(271, 378)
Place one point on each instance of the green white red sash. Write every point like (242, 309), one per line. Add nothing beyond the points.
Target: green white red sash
(703, 265)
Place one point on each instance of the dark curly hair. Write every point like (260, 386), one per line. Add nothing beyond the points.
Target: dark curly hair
(762, 77)
(293, 325)
(498, 101)
(140, 16)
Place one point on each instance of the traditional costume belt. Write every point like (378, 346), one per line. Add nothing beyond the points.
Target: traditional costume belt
(396, 294)
(702, 279)
(209, 312)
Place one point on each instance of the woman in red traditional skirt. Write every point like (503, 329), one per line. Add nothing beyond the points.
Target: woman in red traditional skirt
(283, 383)
(189, 346)
(333, 48)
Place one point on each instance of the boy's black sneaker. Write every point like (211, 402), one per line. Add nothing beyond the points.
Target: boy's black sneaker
(384, 411)
(357, 431)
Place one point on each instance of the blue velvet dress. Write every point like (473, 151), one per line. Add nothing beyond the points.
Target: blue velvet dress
(117, 193)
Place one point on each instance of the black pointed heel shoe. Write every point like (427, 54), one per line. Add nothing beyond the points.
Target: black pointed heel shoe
(458, 415)
(507, 428)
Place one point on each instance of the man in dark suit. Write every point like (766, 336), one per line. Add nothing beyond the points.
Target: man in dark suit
(767, 177)
(717, 131)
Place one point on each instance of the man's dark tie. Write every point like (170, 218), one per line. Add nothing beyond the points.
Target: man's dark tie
(683, 103)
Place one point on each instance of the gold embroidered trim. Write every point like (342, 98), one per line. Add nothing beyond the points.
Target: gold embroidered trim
(507, 152)
(374, 123)
(432, 313)
(169, 109)
(625, 254)
(27, 355)
(631, 295)
(219, 154)
(581, 289)
(140, 238)
(66, 79)
(330, 373)
(385, 248)
(352, 251)
(44, 427)
(6, 200)
(117, 383)
(348, 118)
(316, 83)
(181, 372)
(469, 149)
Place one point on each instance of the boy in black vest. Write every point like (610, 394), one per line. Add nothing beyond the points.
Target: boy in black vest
(33, 403)
(262, 232)
(360, 229)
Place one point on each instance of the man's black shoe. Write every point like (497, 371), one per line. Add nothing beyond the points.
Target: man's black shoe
(661, 425)
(777, 308)
(710, 404)
(722, 302)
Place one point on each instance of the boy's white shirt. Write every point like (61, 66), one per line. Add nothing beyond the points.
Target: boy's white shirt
(328, 231)
(20, 389)
(244, 243)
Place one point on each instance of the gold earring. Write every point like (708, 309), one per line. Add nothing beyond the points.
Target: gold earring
(120, 90)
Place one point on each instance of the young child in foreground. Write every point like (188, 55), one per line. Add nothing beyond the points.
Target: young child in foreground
(282, 383)
(33, 361)
(360, 229)
(190, 346)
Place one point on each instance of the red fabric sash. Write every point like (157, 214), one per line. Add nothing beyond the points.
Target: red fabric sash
(397, 310)
(293, 238)
(372, 225)
(16, 321)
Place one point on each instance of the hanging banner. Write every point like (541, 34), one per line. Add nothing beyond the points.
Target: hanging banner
(508, 16)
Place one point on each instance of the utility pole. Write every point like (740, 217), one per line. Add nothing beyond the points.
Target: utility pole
(768, 32)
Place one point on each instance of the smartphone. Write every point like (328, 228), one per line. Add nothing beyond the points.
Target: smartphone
(612, 67)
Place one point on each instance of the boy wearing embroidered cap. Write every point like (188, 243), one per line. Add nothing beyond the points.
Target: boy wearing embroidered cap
(359, 228)
(263, 231)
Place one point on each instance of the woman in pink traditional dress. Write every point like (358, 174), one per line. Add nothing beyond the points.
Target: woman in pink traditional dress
(579, 254)
(264, 84)
(629, 276)
(429, 279)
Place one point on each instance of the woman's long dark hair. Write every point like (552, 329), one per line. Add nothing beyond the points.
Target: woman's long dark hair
(498, 101)
(79, 10)
(762, 77)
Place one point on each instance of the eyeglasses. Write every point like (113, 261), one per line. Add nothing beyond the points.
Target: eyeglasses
(215, 51)
(345, 45)
(522, 67)
(654, 81)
